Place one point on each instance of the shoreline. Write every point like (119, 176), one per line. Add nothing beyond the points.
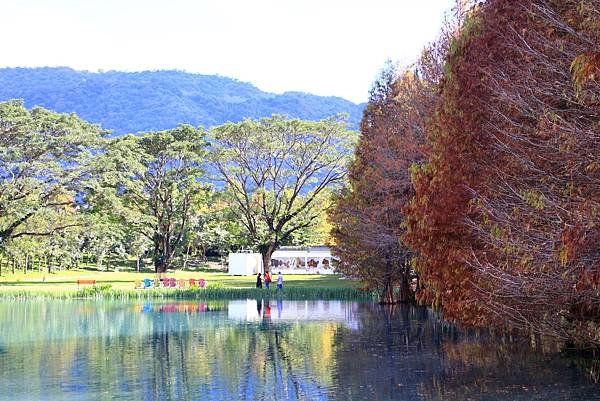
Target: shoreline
(97, 292)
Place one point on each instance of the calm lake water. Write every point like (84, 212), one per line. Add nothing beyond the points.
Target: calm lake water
(278, 350)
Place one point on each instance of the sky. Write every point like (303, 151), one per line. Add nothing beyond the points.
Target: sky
(324, 47)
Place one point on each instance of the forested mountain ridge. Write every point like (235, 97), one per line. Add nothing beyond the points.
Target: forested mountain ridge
(129, 102)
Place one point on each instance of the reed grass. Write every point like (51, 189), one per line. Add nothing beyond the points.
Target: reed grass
(104, 292)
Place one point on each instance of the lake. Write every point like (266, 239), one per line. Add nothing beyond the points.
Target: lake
(261, 350)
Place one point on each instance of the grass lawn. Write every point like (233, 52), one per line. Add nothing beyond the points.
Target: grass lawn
(65, 280)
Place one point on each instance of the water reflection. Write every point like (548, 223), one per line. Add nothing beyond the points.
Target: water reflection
(265, 350)
(294, 311)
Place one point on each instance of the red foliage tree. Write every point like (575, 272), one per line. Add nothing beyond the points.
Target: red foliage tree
(506, 217)
(368, 221)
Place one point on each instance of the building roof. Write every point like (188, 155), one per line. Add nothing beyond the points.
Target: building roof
(302, 252)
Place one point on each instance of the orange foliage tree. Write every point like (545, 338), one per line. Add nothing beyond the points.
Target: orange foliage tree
(506, 216)
(368, 221)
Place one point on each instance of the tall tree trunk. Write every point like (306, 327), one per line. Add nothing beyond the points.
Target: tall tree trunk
(26, 263)
(187, 255)
(266, 251)
(161, 262)
(164, 261)
(99, 260)
(160, 266)
(404, 295)
(157, 254)
(161, 253)
(137, 262)
(387, 294)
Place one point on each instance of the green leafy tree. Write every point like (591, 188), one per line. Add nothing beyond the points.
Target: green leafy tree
(317, 233)
(214, 230)
(276, 172)
(103, 238)
(44, 161)
(136, 245)
(153, 185)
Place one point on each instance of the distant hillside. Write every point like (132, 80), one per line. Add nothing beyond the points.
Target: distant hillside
(127, 102)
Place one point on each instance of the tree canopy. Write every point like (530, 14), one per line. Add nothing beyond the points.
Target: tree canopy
(153, 183)
(505, 218)
(45, 161)
(277, 172)
(369, 219)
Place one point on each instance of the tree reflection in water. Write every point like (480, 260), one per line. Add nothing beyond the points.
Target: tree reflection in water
(267, 350)
(409, 353)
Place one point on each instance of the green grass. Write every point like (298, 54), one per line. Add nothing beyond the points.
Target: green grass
(62, 284)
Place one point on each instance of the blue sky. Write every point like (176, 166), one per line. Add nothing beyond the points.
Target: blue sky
(325, 47)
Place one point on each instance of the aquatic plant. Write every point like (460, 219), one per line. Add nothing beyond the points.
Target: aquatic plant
(104, 291)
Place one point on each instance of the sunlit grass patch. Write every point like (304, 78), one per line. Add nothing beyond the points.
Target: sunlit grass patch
(63, 284)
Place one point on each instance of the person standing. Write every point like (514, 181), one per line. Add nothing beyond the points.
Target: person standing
(267, 279)
(258, 281)
(279, 281)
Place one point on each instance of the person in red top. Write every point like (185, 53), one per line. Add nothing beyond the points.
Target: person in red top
(267, 279)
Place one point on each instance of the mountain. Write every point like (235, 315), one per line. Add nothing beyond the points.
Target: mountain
(129, 102)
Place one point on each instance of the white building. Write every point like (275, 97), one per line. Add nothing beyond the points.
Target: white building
(287, 260)
(302, 260)
(244, 263)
